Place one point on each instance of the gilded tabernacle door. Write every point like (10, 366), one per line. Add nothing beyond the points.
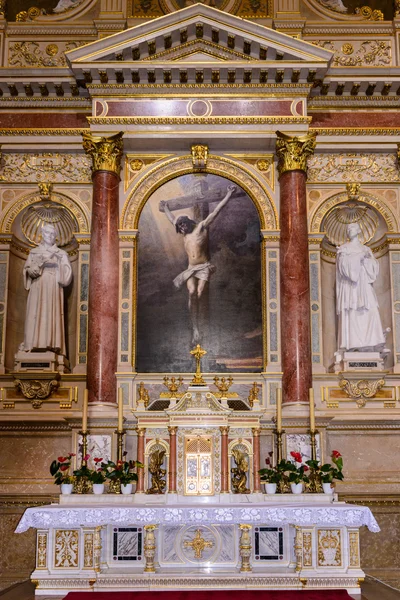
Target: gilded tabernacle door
(199, 471)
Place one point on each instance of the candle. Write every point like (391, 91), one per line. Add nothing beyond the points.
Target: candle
(312, 410)
(85, 411)
(279, 409)
(120, 410)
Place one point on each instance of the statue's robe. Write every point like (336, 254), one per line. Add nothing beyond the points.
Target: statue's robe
(359, 322)
(44, 321)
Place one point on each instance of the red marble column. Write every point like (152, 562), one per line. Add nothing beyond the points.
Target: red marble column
(104, 271)
(294, 267)
(256, 459)
(172, 460)
(224, 460)
(140, 456)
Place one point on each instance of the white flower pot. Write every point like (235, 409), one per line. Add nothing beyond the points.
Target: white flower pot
(126, 488)
(66, 488)
(270, 488)
(98, 488)
(297, 488)
(327, 487)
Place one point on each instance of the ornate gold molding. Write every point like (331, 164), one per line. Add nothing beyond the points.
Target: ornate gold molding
(361, 390)
(293, 152)
(106, 152)
(199, 156)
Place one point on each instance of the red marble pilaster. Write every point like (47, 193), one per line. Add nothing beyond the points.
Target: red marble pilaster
(103, 270)
(140, 456)
(256, 459)
(224, 460)
(172, 460)
(294, 268)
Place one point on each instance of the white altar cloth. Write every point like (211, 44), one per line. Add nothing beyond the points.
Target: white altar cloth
(337, 514)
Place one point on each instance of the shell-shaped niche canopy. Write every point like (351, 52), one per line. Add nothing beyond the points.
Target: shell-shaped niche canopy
(48, 213)
(353, 212)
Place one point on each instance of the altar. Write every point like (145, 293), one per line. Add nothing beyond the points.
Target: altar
(109, 542)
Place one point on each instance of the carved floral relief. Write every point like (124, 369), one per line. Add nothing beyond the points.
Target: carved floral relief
(371, 53)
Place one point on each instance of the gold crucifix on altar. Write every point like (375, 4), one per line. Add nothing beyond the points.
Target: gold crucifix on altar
(198, 353)
(198, 544)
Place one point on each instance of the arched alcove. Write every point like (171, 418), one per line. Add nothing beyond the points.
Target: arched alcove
(23, 222)
(385, 222)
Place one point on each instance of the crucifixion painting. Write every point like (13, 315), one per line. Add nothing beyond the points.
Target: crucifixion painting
(199, 270)
(199, 277)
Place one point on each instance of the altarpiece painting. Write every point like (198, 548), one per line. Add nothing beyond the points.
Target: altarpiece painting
(199, 277)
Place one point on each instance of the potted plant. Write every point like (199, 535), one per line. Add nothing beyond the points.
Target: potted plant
(270, 475)
(297, 474)
(60, 470)
(98, 476)
(122, 472)
(330, 472)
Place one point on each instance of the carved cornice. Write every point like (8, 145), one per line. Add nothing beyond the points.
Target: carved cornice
(293, 152)
(106, 153)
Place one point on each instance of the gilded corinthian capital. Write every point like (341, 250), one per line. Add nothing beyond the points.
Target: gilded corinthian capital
(293, 152)
(106, 152)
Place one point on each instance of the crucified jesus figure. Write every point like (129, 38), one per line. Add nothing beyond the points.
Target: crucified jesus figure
(199, 270)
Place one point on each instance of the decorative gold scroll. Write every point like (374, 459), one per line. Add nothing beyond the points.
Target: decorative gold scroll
(106, 153)
(292, 152)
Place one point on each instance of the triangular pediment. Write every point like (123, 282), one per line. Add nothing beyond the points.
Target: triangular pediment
(198, 35)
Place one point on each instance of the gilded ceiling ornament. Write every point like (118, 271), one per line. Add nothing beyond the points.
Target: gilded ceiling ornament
(293, 152)
(397, 8)
(106, 153)
(361, 390)
(3, 8)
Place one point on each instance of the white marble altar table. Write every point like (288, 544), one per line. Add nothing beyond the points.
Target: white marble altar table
(301, 514)
(125, 543)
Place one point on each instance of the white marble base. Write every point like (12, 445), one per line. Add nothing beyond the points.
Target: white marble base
(26, 362)
(358, 361)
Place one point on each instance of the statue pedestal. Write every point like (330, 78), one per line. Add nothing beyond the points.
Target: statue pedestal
(37, 362)
(358, 361)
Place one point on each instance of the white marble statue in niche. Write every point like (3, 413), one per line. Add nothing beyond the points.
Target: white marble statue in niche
(359, 322)
(46, 272)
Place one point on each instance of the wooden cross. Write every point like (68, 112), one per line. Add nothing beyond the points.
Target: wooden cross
(198, 544)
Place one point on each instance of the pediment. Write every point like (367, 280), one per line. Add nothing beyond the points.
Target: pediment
(197, 35)
(196, 401)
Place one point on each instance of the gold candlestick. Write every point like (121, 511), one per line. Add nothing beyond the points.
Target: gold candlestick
(120, 443)
(84, 435)
(313, 438)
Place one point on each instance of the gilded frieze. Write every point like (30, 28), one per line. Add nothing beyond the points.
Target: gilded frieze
(353, 166)
(357, 53)
(40, 54)
(46, 166)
